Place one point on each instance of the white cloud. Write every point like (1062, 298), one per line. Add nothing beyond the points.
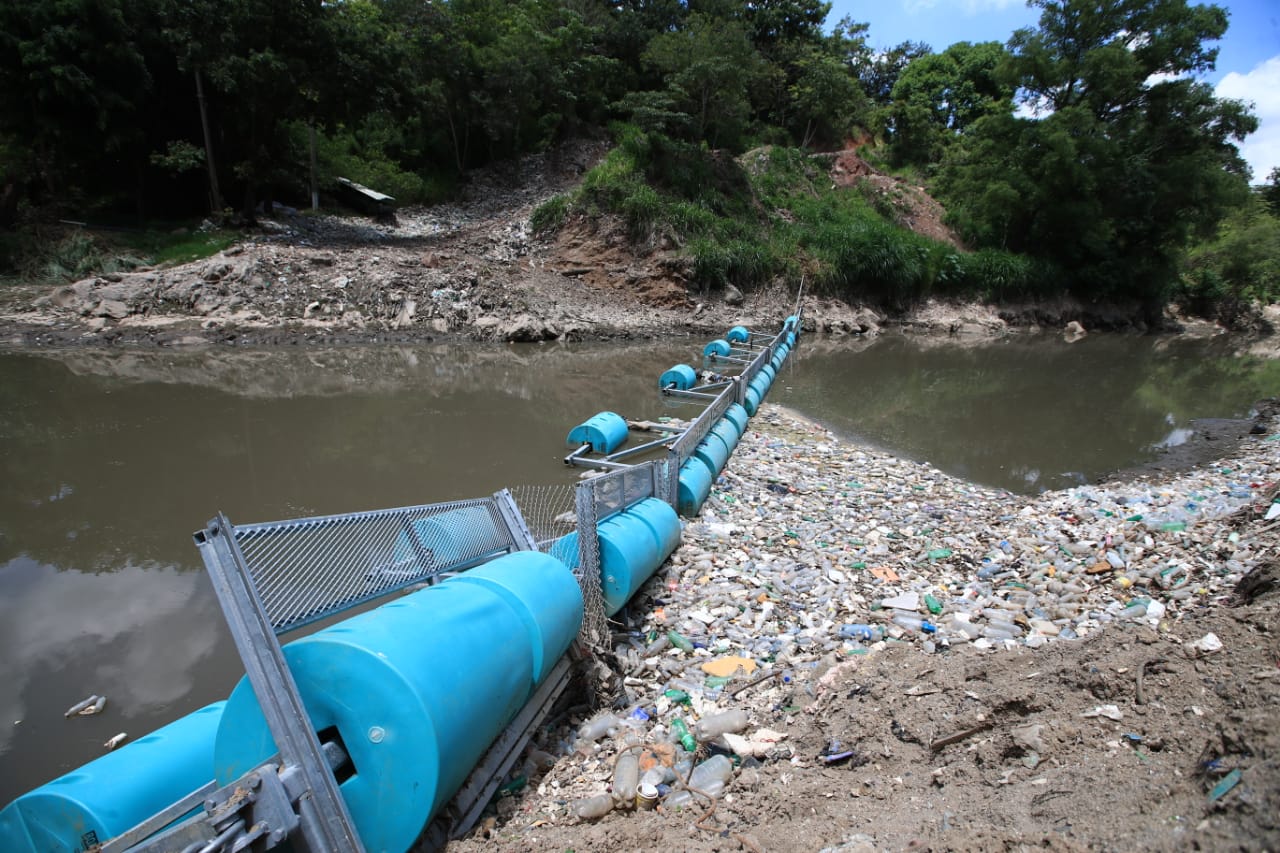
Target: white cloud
(1261, 86)
(967, 7)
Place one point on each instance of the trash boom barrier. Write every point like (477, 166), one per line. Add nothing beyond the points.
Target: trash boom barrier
(370, 750)
(418, 689)
(361, 733)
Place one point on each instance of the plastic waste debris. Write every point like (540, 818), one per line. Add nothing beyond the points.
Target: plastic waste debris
(710, 777)
(590, 808)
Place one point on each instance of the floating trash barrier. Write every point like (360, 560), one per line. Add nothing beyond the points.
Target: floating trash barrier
(392, 729)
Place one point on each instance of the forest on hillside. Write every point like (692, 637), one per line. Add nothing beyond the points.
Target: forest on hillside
(1083, 155)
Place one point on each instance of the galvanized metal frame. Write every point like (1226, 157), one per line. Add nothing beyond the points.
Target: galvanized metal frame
(307, 569)
(326, 825)
(464, 810)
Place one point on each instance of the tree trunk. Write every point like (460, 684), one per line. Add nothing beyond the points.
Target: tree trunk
(215, 195)
(315, 186)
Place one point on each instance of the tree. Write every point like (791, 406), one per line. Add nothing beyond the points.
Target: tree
(938, 96)
(709, 67)
(825, 98)
(1129, 158)
(1270, 192)
(73, 79)
(879, 72)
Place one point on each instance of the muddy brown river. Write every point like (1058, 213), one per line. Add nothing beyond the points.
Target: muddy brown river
(110, 460)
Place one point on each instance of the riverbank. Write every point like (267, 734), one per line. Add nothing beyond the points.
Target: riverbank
(1103, 673)
(474, 270)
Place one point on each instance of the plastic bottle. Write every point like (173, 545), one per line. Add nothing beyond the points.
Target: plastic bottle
(594, 729)
(681, 733)
(711, 777)
(679, 640)
(592, 807)
(657, 775)
(711, 727)
(913, 623)
(859, 631)
(626, 771)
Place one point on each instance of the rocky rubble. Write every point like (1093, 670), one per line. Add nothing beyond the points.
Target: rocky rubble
(850, 627)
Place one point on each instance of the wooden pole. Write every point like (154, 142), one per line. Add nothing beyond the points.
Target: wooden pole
(215, 195)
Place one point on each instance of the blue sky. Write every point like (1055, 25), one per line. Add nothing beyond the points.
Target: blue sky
(1248, 58)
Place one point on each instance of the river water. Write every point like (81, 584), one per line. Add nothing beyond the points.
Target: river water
(111, 459)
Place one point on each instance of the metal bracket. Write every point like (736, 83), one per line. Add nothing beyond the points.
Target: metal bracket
(326, 825)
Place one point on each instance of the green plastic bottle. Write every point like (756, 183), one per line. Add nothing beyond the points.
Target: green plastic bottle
(682, 733)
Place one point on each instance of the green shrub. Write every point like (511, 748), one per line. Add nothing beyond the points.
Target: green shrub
(550, 215)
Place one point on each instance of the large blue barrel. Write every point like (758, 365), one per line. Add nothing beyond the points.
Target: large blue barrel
(605, 432)
(738, 335)
(717, 348)
(682, 376)
(768, 370)
(760, 385)
(737, 416)
(751, 400)
(662, 520)
(790, 339)
(633, 544)
(713, 452)
(694, 484)
(114, 793)
(792, 324)
(728, 433)
(419, 688)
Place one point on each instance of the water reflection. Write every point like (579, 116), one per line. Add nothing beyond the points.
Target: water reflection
(142, 636)
(1025, 414)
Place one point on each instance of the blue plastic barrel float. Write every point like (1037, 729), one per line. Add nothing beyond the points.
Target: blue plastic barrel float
(727, 432)
(633, 544)
(694, 485)
(756, 389)
(114, 793)
(419, 688)
(713, 451)
(682, 376)
(738, 335)
(717, 348)
(565, 549)
(792, 324)
(737, 416)
(605, 432)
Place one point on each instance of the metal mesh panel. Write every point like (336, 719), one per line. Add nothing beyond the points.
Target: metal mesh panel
(697, 431)
(547, 510)
(309, 568)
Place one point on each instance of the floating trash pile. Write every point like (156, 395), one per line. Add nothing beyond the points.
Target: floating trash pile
(810, 552)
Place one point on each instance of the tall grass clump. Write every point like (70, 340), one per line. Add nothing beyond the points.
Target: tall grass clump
(550, 215)
(996, 275)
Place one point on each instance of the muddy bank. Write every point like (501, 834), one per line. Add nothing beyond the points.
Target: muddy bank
(474, 270)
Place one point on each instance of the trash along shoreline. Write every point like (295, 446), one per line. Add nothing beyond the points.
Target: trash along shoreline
(854, 651)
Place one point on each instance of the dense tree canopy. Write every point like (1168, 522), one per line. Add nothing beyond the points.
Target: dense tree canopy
(1126, 157)
(1116, 159)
